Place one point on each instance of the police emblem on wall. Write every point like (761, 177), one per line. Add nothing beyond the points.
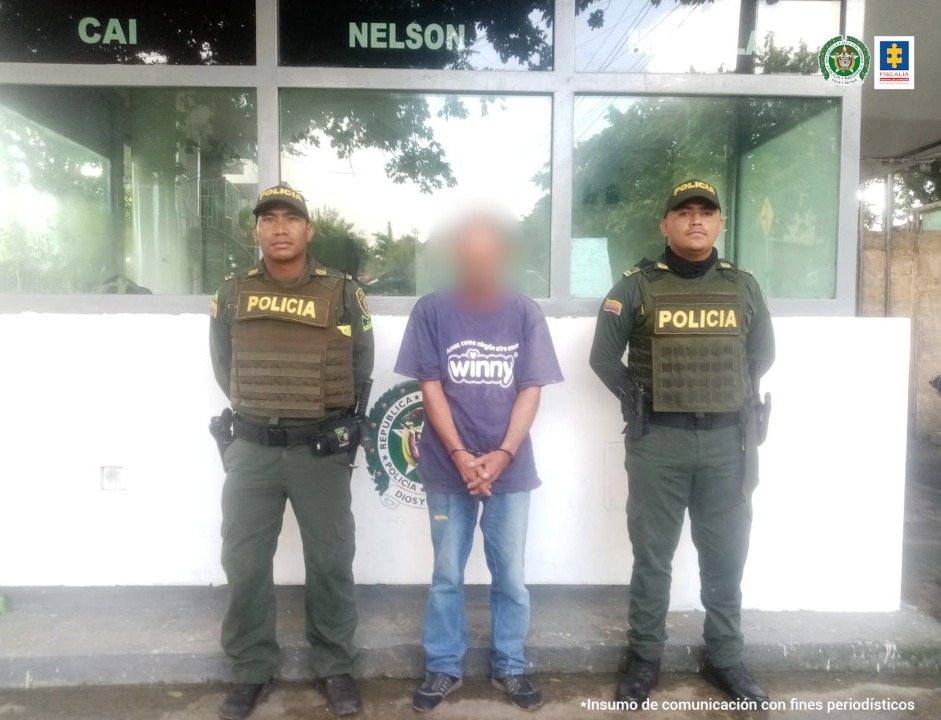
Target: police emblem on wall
(845, 60)
(395, 423)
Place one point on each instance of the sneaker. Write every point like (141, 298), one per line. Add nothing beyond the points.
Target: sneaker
(342, 694)
(434, 690)
(520, 691)
(243, 698)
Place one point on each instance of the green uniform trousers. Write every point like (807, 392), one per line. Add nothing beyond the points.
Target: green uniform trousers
(670, 470)
(259, 480)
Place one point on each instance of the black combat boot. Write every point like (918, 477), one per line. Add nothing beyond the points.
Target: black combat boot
(243, 699)
(342, 694)
(737, 683)
(635, 685)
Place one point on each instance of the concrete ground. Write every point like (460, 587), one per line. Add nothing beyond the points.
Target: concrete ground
(921, 561)
(565, 695)
(54, 637)
(863, 647)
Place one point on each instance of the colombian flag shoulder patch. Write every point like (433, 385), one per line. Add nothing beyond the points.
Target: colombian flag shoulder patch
(612, 306)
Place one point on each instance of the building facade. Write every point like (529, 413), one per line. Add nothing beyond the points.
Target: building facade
(134, 138)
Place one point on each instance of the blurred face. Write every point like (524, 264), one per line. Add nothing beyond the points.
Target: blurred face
(282, 234)
(480, 255)
(691, 229)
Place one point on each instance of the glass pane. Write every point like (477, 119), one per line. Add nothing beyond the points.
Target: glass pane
(788, 34)
(678, 36)
(169, 32)
(789, 199)
(124, 190)
(383, 168)
(478, 35)
(775, 163)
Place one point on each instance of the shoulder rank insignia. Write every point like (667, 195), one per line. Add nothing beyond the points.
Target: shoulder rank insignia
(632, 271)
(730, 269)
(334, 273)
(228, 277)
(252, 273)
(661, 266)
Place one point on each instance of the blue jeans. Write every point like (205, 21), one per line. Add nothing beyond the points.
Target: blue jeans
(503, 523)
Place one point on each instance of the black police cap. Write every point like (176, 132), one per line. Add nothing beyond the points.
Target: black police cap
(692, 190)
(284, 196)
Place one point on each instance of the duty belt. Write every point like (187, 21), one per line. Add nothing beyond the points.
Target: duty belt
(274, 435)
(693, 421)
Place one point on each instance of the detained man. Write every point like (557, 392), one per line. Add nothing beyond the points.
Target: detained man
(481, 353)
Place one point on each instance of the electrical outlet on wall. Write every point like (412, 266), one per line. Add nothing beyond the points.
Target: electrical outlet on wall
(113, 477)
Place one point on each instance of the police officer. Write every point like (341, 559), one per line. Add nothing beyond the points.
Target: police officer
(291, 345)
(699, 336)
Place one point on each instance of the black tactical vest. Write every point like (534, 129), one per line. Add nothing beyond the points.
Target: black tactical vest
(291, 358)
(687, 348)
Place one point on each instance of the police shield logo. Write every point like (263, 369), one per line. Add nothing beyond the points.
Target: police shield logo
(844, 60)
(395, 424)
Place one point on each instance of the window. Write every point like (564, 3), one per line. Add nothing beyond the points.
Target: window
(124, 190)
(678, 36)
(169, 32)
(475, 35)
(775, 163)
(140, 179)
(381, 169)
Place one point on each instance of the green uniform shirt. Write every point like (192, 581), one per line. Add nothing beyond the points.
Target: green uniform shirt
(355, 310)
(621, 311)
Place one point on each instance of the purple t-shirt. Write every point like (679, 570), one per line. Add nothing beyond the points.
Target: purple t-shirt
(483, 362)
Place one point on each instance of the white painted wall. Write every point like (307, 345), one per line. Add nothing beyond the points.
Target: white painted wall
(82, 391)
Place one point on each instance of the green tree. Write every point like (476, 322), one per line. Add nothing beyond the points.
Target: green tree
(650, 144)
(336, 242)
(772, 58)
(385, 263)
(350, 120)
(393, 263)
(916, 186)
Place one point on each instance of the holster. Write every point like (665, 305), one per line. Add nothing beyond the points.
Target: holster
(220, 427)
(750, 448)
(336, 435)
(763, 417)
(634, 410)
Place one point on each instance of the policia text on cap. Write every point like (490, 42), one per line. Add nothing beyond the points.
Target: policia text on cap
(698, 334)
(292, 347)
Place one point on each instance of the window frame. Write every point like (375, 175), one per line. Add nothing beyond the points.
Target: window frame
(562, 83)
